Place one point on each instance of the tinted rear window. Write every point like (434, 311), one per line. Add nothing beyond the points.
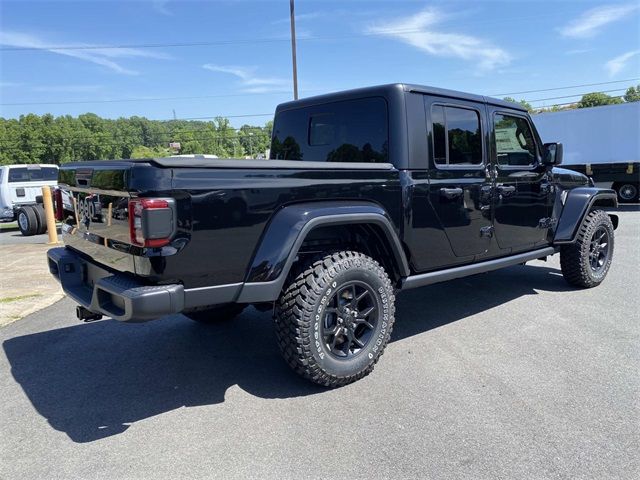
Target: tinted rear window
(30, 174)
(349, 131)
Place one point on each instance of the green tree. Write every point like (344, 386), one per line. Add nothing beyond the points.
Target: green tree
(254, 140)
(524, 103)
(145, 152)
(597, 99)
(632, 94)
(192, 146)
(47, 139)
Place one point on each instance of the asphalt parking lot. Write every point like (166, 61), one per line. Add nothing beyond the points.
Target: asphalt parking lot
(511, 374)
(12, 236)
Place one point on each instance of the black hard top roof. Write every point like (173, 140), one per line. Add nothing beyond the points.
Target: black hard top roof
(393, 89)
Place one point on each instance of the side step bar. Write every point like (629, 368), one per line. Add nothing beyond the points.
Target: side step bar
(430, 278)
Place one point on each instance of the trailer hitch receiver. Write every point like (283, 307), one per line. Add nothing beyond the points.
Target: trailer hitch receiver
(86, 315)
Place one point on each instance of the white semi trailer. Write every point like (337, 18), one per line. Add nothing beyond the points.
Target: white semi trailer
(601, 142)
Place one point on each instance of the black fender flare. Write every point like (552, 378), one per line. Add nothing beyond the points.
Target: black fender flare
(577, 204)
(287, 230)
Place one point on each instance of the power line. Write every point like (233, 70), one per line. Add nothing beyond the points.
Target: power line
(211, 43)
(212, 134)
(225, 116)
(553, 105)
(198, 97)
(565, 88)
(576, 95)
(139, 99)
(145, 45)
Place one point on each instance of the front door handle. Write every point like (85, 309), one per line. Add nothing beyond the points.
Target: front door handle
(451, 193)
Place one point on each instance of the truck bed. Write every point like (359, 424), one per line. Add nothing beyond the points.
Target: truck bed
(222, 208)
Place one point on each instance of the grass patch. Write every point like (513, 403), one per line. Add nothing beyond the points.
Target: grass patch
(21, 297)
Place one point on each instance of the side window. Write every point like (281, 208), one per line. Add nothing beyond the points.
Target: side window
(457, 138)
(515, 144)
(18, 174)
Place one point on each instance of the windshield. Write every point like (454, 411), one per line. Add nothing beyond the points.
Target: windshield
(33, 174)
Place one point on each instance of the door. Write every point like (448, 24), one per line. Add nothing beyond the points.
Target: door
(523, 188)
(460, 184)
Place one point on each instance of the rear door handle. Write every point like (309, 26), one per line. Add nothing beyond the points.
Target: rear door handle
(450, 193)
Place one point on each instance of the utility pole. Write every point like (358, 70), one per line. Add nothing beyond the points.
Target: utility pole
(293, 50)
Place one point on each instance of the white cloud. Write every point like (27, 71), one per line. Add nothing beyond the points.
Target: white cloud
(418, 31)
(331, 14)
(617, 64)
(590, 22)
(160, 6)
(248, 78)
(93, 54)
(240, 72)
(578, 51)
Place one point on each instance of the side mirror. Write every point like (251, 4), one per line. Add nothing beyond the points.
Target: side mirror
(552, 154)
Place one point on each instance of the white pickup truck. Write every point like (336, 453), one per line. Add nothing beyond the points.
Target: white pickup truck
(20, 185)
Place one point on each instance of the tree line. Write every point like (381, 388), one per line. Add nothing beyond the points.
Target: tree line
(593, 99)
(47, 139)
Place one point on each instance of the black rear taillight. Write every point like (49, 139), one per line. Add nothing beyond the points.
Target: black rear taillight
(151, 221)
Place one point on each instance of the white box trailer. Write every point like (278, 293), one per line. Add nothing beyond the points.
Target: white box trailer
(20, 187)
(601, 142)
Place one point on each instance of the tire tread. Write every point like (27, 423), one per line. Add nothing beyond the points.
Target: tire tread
(574, 258)
(294, 313)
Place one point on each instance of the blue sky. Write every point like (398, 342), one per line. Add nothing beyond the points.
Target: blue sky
(486, 47)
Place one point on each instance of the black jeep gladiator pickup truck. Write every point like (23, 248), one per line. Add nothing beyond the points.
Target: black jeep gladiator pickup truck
(366, 193)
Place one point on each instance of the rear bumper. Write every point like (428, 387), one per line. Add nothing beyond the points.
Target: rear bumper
(118, 296)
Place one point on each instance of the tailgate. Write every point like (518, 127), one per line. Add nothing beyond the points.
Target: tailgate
(95, 202)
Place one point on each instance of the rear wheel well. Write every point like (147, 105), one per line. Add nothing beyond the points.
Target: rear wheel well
(365, 238)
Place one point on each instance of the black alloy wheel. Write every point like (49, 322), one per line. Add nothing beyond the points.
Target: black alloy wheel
(599, 249)
(350, 319)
